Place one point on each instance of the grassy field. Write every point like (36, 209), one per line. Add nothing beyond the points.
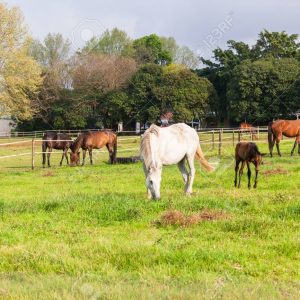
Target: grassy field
(90, 233)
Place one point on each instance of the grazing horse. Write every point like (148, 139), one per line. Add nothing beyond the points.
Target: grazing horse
(59, 141)
(175, 144)
(245, 153)
(90, 140)
(247, 127)
(288, 128)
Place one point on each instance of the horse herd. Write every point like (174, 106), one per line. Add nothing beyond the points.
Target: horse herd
(177, 144)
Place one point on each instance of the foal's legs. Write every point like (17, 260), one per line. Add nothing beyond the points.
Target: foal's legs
(241, 173)
(66, 155)
(256, 174)
(62, 158)
(44, 156)
(48, 156)
(91, 155)
(190, 160)
(237, 162)
(185, 174)
(249, 174)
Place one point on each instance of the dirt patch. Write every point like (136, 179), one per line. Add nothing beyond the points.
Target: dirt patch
(274, 172)
(177, 218)
(48, 174)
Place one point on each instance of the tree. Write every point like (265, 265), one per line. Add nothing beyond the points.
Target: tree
(115, 42)
(53, 51)
(220, 70)
(144, 105)
(155, 90)
(97, 78)
(185, 56)
(19, 73)
(277, 45)
(149, 49)
(100, 74)
(184, 93)
(53, 56)
(260, 90)
(181, 55)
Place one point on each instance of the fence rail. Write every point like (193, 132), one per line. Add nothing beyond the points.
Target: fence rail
(76, 132)
(215, 137)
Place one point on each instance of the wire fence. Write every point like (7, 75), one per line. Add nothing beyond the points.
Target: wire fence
(216, 139)
(76, 132)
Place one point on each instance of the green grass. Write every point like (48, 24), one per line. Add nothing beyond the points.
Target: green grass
(88, 233)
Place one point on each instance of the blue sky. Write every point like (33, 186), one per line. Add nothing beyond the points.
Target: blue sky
(201, 25)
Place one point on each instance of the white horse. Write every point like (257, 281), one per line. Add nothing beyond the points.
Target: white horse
(167, 146)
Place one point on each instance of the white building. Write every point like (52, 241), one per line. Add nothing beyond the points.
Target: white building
(6, 126)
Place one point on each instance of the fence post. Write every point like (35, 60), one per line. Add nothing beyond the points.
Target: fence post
(32, 154)
(258, 132)
(239, 136)
(233, 137)
(213, 139)
(220, 142)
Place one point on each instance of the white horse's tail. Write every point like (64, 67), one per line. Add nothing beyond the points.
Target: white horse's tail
(200, 156)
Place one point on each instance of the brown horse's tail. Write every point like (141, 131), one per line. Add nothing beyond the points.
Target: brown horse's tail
(270, 137)
(200, 156)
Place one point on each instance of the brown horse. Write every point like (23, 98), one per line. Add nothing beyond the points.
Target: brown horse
(288, 128)
(94, 140)
(246, 153)
(248, 128)
(59, 141)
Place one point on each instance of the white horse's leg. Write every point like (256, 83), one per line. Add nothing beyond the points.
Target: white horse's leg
(185, 174)
(190, 160)
(146, 174)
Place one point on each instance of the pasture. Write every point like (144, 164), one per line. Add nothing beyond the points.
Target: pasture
(90, 232)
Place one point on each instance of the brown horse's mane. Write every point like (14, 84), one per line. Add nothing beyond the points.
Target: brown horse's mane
(78, 142)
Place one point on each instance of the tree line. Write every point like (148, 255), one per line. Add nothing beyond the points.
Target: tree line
(114, 78)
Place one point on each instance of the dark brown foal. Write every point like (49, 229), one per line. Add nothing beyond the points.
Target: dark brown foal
(247, 153)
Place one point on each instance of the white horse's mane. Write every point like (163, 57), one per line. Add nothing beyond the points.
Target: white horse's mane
(146, 150)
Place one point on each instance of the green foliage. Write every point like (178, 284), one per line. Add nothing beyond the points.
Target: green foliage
(115, 42)
(20, 75)
(258, 90)
(52, 51)
(277, 45)
(149, 49)
(184, 93)
(156, 89)
(248, 79)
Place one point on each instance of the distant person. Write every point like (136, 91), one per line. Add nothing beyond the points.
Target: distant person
(165, 119)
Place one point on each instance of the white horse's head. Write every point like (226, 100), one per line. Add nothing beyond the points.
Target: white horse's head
(153, 181)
